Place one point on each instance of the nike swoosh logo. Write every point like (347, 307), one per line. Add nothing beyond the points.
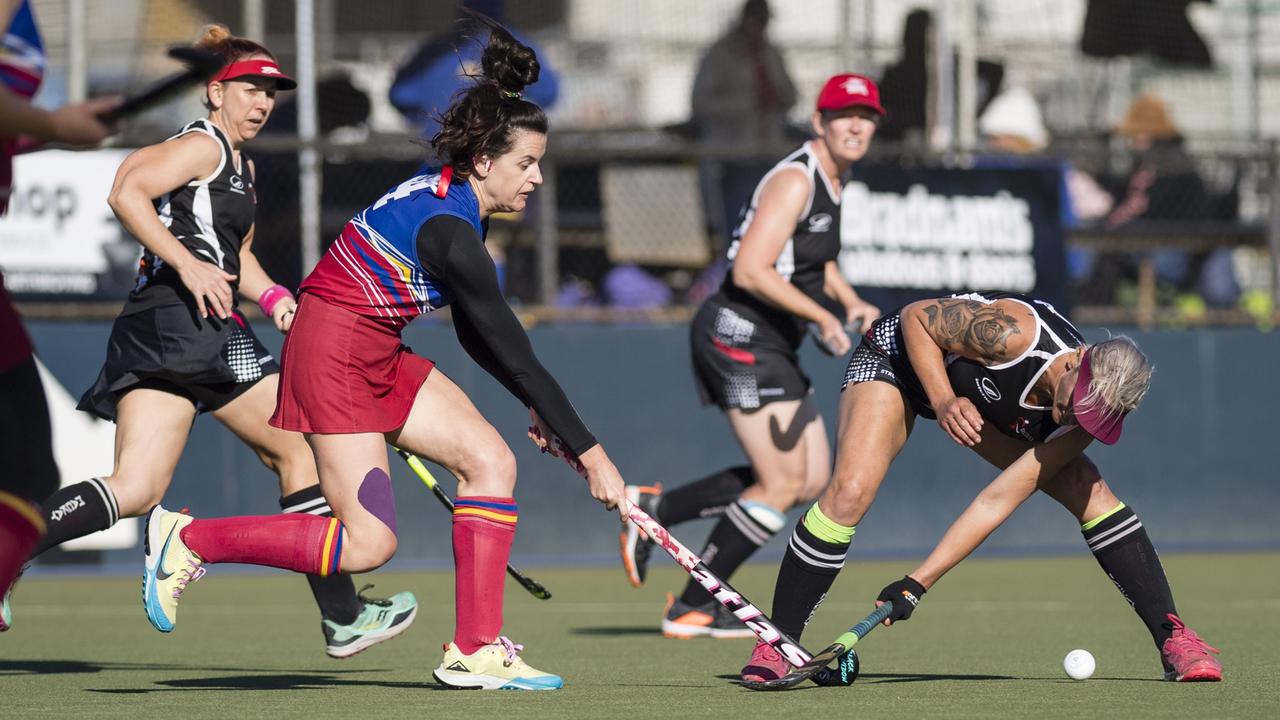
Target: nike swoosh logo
(161, 575)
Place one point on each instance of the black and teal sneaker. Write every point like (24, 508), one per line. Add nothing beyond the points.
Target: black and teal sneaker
(379, 620)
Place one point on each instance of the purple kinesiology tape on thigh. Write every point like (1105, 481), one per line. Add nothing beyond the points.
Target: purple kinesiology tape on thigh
(376, 497)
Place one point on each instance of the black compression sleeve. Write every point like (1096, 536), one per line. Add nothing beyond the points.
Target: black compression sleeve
(450, 249)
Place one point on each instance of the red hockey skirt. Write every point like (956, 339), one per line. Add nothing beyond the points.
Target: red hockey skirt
(345, 373)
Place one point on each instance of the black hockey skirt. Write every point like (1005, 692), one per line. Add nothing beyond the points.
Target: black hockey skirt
(171, 348)
(882, 357)
(740, 362)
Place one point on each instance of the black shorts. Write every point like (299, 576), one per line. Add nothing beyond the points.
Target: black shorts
(169, 347)
(740, 363)
(882, 357)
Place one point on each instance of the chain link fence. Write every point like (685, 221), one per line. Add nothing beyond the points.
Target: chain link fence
(635, 211)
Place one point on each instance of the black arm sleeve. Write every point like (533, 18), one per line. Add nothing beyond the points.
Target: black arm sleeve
(450, 249)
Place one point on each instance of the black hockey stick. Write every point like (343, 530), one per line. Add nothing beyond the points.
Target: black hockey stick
(201, 65)
(534, 587)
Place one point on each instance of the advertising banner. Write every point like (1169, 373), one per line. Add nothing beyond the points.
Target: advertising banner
(912, 233)
(60, 239)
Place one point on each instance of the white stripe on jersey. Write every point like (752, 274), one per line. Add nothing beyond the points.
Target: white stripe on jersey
(202, 212)
(417, 283)
(360, 274)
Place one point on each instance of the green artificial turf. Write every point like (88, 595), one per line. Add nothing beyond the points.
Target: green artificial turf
(988, 642)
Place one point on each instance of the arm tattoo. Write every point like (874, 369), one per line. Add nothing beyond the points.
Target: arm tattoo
(980, 328)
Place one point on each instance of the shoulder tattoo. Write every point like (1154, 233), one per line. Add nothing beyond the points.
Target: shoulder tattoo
(981, 328)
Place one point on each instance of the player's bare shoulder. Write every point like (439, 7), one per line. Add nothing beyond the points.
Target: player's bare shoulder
(991, 332)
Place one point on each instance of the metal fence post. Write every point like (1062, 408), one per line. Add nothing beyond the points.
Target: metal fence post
(548, 238)
(308, 124)
(77, 51)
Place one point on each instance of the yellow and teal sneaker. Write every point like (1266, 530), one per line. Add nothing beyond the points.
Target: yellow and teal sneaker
(496, 666)
(379, 620)
(170, 566)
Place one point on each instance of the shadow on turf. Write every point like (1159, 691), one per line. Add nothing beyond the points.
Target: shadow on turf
(878, 678)
(291, 681)
(82, 667)
(614, 630)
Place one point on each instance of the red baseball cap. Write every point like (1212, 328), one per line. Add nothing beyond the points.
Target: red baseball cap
(257, 67)
(849, 90)
(1098, 420)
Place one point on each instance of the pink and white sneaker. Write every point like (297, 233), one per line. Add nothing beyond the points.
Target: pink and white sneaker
(1187, 658)
(765, 664)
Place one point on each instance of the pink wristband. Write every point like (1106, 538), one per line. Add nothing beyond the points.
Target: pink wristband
(272, 297)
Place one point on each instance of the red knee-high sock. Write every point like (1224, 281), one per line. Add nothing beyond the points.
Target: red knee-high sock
(483, 528)
(20, 529)
(303, 543)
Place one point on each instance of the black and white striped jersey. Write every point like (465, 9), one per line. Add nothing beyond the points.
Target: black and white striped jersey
(210, 216)
(1000, 391)
(814, 242)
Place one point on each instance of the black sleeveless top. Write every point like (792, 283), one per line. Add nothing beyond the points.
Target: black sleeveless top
(210, 216)
(1000, 391)
(814, 242)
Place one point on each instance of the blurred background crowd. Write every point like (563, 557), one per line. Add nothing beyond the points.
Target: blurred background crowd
(1118, 157)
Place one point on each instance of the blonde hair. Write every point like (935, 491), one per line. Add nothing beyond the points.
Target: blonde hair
(1121, 377)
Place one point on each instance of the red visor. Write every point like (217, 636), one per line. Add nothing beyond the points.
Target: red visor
(1099, 421)
(258, 67)
(849, 90)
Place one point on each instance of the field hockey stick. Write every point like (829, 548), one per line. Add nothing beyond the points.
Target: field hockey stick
(201, 65)
(534, 587)
(723, 592)
(836, 650)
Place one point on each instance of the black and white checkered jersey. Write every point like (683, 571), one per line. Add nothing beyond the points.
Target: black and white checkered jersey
(210, 216)
(814, 242)
(1000, 391)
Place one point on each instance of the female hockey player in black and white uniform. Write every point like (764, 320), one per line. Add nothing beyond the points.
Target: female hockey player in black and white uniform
(1009, 377)
(783, 279)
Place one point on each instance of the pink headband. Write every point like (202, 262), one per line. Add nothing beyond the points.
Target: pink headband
(1098, 420)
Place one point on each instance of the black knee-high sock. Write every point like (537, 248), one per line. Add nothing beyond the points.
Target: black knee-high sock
(78, 510)
(1126, 555)
(705, 497)
(740, 532)
(809, 567)
(335, 594)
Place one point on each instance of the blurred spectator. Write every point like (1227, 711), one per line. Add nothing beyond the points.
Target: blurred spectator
(905, 84)
(742, 92)
(741, 96)
(633, 288)
(1012, 129)
(1162, 186)
(1157, 27)
(445, 63)
(339, 105)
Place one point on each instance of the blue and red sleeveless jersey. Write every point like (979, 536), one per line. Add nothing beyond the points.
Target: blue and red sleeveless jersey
(373, 267)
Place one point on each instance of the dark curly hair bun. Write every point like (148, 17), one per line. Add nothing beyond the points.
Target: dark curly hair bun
(510, 64)
(482, 120)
